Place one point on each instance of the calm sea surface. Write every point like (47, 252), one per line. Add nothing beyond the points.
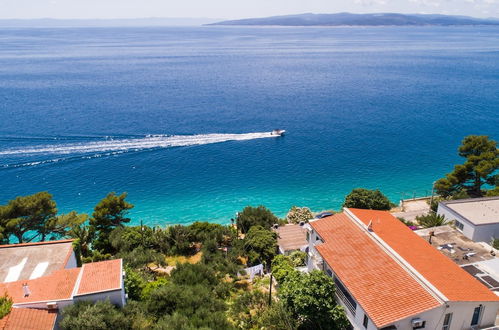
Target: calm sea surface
(179, 117)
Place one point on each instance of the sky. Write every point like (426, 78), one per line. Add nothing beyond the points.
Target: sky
(234, 9)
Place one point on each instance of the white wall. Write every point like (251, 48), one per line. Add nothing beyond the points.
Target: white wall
(71, 262)
(477, 233)
(485, 233)
(116, 297)
(468, 228)
(462, 313)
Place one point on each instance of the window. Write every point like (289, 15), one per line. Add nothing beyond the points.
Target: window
(447, 321)
(366, 321)
(459, 225)
(308, 236)
(476, 315)
(329, 272)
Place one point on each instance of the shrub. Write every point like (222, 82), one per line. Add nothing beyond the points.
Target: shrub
(361, 198)
(5, 305)
(100, 315)
(255, 216)
(298, 214)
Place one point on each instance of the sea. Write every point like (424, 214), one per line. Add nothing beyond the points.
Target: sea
(180, 117)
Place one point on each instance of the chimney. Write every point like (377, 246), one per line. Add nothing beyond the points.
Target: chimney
(26, 290)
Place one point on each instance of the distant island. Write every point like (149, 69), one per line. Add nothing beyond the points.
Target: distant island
(349, 19)
(124, 22)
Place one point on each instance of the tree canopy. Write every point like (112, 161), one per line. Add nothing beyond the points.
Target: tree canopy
(297, 214)
(260, 245)
(28, 217)
(255, 216)
(478, 170)
(361, 198)
(310, 298)
(108, 214)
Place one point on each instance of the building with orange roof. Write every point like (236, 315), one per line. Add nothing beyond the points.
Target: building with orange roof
(94, 281)
(64, 284)
(29, 319)
(387, 277)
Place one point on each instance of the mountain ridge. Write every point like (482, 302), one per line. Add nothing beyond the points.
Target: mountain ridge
(349, 19)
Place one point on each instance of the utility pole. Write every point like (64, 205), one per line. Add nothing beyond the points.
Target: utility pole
(432, 192)
(270, 291)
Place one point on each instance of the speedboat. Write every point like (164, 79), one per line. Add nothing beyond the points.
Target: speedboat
(279, 132)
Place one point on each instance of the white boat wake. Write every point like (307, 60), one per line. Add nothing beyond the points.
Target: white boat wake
(113, 146)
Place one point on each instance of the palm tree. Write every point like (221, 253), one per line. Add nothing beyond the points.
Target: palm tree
(431, 220)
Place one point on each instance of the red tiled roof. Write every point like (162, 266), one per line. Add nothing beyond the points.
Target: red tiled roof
(450, 279)
(60, 285)
(35, 243)
(28, 319)
(57, 286)
(100, 276)
(385, 290)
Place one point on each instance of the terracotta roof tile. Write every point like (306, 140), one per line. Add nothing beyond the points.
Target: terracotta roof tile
(57, 286)
(429, 262)
(385, 290)
(100, 276)
(28, 319)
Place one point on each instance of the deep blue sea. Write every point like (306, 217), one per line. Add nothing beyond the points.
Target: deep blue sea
(179, 117)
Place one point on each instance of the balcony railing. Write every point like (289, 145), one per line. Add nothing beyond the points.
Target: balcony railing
(341, 296)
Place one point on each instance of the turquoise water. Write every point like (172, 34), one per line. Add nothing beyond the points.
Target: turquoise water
(88, 111)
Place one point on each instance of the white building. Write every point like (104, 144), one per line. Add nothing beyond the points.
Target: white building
(387, 277)
(476, 218)
(43, 278)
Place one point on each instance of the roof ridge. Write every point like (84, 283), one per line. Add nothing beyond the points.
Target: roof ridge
(5, 246)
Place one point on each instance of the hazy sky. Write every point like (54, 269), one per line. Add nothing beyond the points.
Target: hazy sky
(234, 8)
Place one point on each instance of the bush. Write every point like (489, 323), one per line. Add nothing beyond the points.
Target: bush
(282, 267)
(361, 198)
(101, 315)
(298, 258)
(255, 216)
(310, 298)
(5, 305)
(134, 283)
(260, 245)
(298, 214)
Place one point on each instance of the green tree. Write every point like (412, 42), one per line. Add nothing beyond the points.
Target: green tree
(282, 268)
(5, 305)
(101, 315)
(83, 236)
(297, 214)
(310, 298)
(479, 169)
(361, 198)
(255, 216)
(28, 215)
(431, 220)
(195, 303)
(260, 245)
(134, 283)
(247, 307)
(194, 274)
(179, 239)
(61, 225)
(108, 214)
(277, 317)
